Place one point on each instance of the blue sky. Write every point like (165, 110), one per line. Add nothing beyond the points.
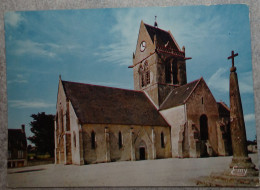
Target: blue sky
(96, 46)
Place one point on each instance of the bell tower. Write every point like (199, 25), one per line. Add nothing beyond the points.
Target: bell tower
(159, 65)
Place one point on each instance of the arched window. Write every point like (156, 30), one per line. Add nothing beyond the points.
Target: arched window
(168, 72)
(162, 140)
(62, 122)
(120, 142)
(144, 74)
(141, 76)
(174, 72)
(147, 73)
(74, 138)
(203, 127)
(93, 140)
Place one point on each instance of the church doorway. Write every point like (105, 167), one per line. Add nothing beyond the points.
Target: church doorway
(203, 135)
(204, 127)
(142, 153)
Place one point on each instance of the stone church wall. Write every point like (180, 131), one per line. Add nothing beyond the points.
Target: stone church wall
(75, 137)
(60, 124)
(133, 137)
(152, 87)
(176, 117)
(139, 55)
(201, 102)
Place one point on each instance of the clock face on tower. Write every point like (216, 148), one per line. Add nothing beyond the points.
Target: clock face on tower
(142, 46)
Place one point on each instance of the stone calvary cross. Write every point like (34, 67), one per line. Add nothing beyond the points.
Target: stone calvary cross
(233, 68)
(241, 171)
(240, 159)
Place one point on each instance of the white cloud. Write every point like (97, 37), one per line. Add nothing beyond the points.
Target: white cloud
(34, 48)
(27, 104)
(126, 27)
(13, 19)
(246, 82)
(249, 117)
(18, 79)
(117, 53)
(220, 81)
(41, 49)
(124, 32)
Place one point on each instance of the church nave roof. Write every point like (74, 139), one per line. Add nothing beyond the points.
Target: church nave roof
(107, 105)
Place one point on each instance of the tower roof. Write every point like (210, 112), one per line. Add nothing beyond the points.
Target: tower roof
(164, 38)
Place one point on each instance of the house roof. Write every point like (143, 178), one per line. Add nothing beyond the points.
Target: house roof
(163, 37)
(178, 96)
(16, 139)
(106, 105)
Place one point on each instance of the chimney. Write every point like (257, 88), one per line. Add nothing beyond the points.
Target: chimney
(23, 128)
(155, 23)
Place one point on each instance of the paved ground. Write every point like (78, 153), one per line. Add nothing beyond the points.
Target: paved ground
(164, 172)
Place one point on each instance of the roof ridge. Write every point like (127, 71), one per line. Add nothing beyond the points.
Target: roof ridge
(133, 106)
(154, 105)
(188, 83)
(198, 81)
(174, 90)
(167, 97)
(156, 28)
(102, 86)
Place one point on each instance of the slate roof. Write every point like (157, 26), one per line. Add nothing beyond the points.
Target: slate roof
(16, 139)
(106, 105)
(223, 109)
(163, 37)
(179, 95)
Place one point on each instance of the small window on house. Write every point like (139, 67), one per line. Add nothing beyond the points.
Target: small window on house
(9, 154)
(120, 142)
(162, 140)
(20, 154)
(93, 140)
(202, 100)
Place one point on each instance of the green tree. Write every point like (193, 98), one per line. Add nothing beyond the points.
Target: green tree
(42, 127)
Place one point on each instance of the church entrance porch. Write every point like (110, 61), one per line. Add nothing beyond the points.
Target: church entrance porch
(142, 153)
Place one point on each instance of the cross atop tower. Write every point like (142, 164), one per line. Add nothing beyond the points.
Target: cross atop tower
(233, 68)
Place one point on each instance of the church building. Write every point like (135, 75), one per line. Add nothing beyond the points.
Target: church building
(163, 117)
